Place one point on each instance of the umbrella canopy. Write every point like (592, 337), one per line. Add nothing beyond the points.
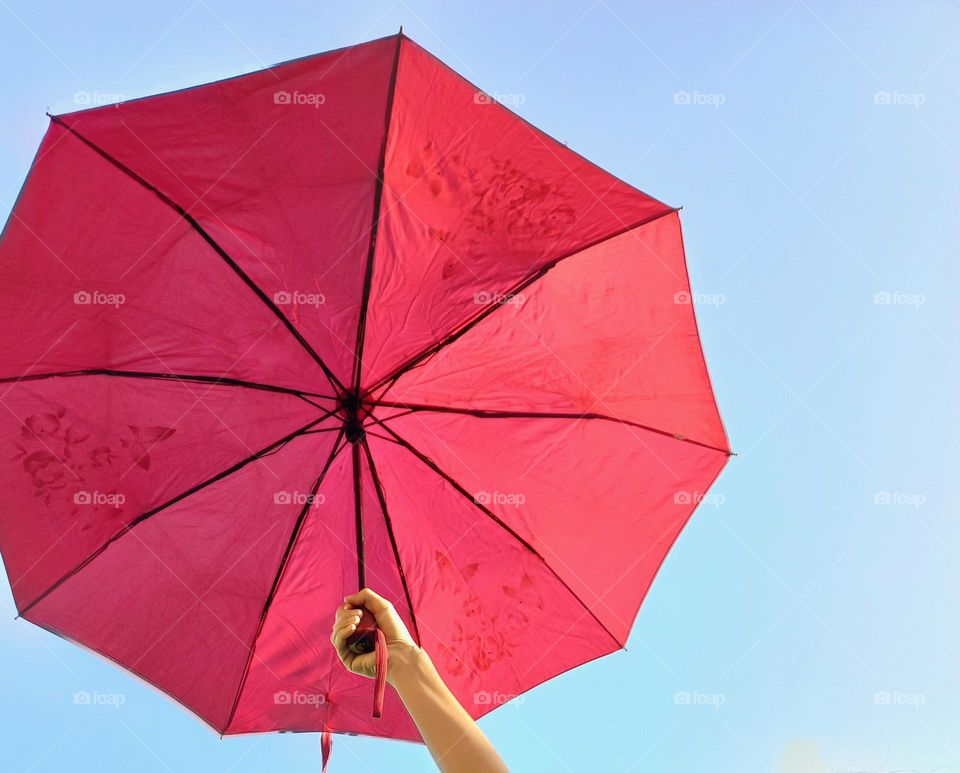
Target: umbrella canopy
(345, 321)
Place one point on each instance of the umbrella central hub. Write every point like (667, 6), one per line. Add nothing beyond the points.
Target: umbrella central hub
(352, 419)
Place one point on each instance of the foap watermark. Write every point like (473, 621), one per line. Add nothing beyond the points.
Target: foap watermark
(696, 698)
(299, 98)
(298, 498)
(96, 98)
(93, 698)
(496, 698)
(297, 298)
(899, 99)
(695, 498)
(512, 499)
(510, 100)
(98, 298)
(484, 298)
(898, 298)
(699, 98)
(99, 498)
(684, 298)
(896, 698)
(899, 498)
(298, 698)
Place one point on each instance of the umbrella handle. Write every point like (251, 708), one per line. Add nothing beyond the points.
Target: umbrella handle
(369, 638)
(364, 639)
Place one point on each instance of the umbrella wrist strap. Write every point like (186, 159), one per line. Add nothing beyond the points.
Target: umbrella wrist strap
(326, 746)
(379, 688)
(380, 680)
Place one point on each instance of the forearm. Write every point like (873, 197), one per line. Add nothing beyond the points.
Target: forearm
(450, 733)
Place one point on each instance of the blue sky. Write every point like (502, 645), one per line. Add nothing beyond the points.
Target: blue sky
(809, 611)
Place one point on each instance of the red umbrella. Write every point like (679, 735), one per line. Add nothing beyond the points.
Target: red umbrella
(345, 321)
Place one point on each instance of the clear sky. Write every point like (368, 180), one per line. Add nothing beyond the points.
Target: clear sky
(810, 610)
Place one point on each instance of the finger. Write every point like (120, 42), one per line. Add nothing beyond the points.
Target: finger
(343, 619)
(376, 603)
(340, 635)
(346, 612)
(347, 618)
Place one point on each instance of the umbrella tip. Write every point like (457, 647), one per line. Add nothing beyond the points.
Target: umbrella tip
(401, 30)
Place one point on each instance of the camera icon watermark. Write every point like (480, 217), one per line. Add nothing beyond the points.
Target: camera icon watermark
(695, 698)
(684, 298)
(898, 298)
(908, 499)
(899, 99)
(699, 98)
(299, 98)
(98, 298)
(509, 100)
(509, 499)
(94, 98)
(485, 298)
(297, 298)
(298, 698)
(113, 499)
(93, 698)
(495, 698)
(298, 498)
(696, 498)
(896, 698)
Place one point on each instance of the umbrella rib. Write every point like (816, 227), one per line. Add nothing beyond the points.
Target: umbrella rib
(274, 587)
(522, 285)
(274, 446)
(258, 291)
(496, 414)
(185, 377)
(486, 511)
(393, 540)
(375, 227)
(358, 512)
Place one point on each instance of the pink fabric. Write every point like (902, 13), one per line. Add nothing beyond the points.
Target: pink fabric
(344, 321)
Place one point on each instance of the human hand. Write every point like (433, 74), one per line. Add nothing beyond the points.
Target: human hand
(453, 738)
(401, 647)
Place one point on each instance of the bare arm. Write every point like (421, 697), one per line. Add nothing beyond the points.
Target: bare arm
(450, 733)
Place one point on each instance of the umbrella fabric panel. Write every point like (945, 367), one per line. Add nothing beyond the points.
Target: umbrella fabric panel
(279, 167)
(475, 200)
(295, 680)
(98, 273)
(601, 501)
(178, 599)
(609, 331)
(494, 617)
(89, 454)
